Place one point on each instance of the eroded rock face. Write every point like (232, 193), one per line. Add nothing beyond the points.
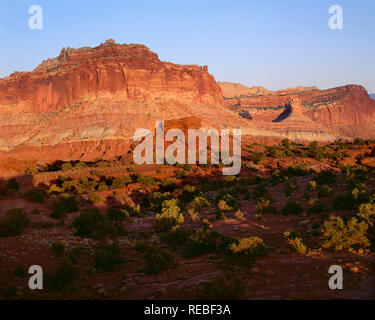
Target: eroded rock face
(347, 110)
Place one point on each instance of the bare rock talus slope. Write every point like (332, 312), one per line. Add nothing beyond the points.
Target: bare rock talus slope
(347, 110)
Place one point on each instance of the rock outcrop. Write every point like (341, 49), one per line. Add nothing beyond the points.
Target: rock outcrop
(347, 110)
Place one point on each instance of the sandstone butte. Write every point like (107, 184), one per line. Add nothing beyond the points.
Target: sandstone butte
(88, 102)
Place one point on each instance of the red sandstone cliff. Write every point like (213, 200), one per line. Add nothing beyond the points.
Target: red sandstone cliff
(348, 110)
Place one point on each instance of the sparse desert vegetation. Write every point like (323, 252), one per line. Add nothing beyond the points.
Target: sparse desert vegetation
(109, 229)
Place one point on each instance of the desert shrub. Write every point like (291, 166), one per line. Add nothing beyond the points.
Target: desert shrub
(264, 206)
(65, 204)
(32, 171)
(324, 191)
(158, 260)
(66, 166)
(147, 181)
(342, 235)
(170, 215)
(65, 274)
(290, 186)
(315, 206)
(19, 271)
(228, 202)
(325, 177)
(169, 184)
(180, 174)
(188, 193)
(107, 257)
(118, 183)
(260, 191)
(91, 223)
(80, 165)
(239, 214)
(312, 185)
(102, 186)
(201, 242)
(199, 203)
(295, 242)
(57, 249)
(96, 173)
(12, 184)
(248, 247)
(292, 207)
(93, 198)
(177, 239)
(367, 213)
(351, 199)
(225, 287)
(257, 157)
(8, 292)
(157, 200)
(35, 195)
(315, 151)
(118, 215)
(14, 221)
(142, 246)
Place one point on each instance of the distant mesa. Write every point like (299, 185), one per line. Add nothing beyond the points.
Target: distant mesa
(372, 96)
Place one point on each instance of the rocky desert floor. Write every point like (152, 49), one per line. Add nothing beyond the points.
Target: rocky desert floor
(109, 229)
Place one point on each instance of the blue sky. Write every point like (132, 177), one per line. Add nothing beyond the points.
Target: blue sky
(275, 44)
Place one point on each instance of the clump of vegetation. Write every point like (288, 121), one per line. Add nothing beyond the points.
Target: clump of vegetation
(12, 184)
(121, 182)
(201, 242)
(341, 235)
(65, 204)
(199, 203)
(325, 177)
(170, 216)
(66, 166)
(93, 224)
(19, 271)
(225, 287)
(14, 221)
(292, 207)
(107, 257)
(248, 247)
(64, 276)
(295, 242)
(239, 214)
(57, 249)
(158, 260)
(367, 213)
(35, 195)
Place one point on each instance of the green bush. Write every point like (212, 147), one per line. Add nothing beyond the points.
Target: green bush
(340, 235)
(65, 274)
(199, 203)
(118, 215)
(325, 177)
(225, 287)
(57, 249)
(248, 247)
(65, 204)
(201, 242)
(292, 207)
(367, 213)
(170, 215)
(14, 221)
(108, 257)
(12, 184)
(66, 166)
(35, 195)
(159, 260)
(93, 224)
(121, 182)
